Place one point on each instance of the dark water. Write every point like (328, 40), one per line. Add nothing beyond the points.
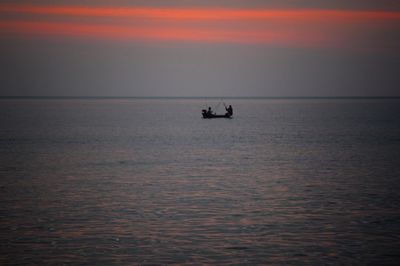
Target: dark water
(147, 181)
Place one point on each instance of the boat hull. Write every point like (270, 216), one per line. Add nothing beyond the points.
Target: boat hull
(208, 116)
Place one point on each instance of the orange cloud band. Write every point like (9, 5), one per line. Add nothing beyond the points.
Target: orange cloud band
(203, 13)
(294, 28)
(165, 33)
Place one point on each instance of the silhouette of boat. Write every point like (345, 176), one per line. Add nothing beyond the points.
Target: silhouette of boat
(207, 115)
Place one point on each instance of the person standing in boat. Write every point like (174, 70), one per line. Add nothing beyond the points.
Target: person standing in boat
(229, 110)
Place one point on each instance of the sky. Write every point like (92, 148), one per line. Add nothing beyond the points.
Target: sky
(187, 48)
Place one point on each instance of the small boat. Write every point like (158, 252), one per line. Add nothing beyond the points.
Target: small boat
(208, 115)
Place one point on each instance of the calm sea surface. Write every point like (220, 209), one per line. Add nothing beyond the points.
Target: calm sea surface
(148, 181)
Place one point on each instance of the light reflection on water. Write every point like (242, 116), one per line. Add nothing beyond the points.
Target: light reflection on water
(150, 182)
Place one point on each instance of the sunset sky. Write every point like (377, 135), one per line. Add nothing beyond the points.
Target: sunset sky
(200, 48)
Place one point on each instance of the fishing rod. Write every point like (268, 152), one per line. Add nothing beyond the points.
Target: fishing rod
(219, 103)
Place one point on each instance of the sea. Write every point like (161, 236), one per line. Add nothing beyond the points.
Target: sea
(148, 181)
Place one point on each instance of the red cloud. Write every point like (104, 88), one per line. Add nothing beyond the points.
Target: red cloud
(204, 13)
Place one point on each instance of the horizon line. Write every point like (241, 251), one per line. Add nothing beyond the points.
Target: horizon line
(198, 97)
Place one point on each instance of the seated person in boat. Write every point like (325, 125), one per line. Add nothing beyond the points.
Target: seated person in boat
(209, 112)
(229, 110)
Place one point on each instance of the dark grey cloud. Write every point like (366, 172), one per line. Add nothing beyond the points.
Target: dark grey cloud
(32, 67)
(341, 4)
